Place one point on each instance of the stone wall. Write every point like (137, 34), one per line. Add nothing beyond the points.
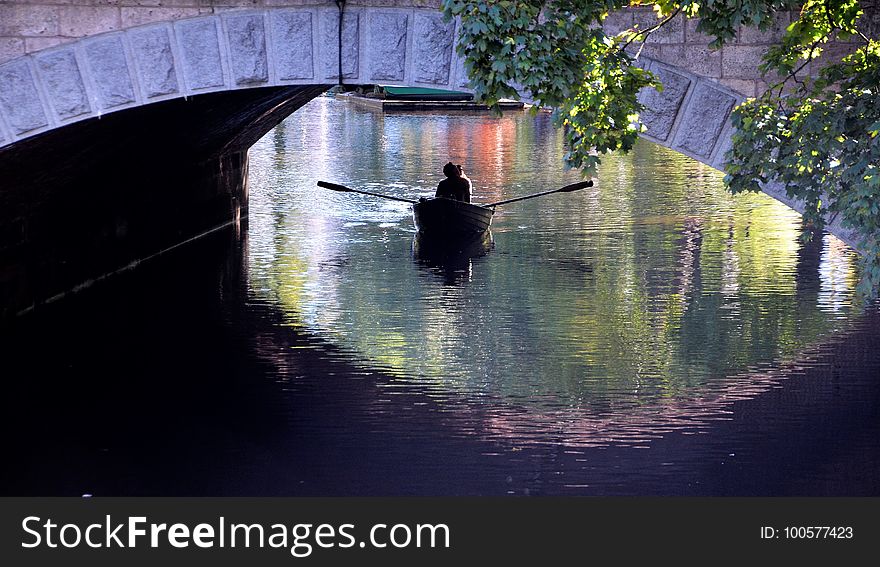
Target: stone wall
(114, 71)
(678, 44)
(735, 66)
(27, 26)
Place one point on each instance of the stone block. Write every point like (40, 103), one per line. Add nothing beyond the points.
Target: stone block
(238, 3)
(200, 51)
(643, 63)
(20, 99)
(350, 47)
(32, 44)
(110, 73)
(704, 118)
(17, 20)
(761, 87)
(649, 50)
(292, 34)
(246, 34)
(136, 16)
(149, 2)
(869, 24)
(10, 48)
(691, 35)
(661, 108)
(462, 80)
(288, 3)
(154, 59)
(645, 92)
(694, 58)
(725, 143)
(64, 84)
(387, 55)
(777, 190)
(741, 62)
(617, 22)
(751, 35)
(83, 21)
(383, 3)
(671, 32)
(745, 87)
(433, 49)
(831, 53)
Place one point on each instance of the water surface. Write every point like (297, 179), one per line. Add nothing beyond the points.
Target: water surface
(649, 335)
(651, 288)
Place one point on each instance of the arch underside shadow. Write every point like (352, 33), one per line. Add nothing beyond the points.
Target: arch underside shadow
(100, 195)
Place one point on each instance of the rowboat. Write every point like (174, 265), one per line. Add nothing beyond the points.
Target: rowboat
(448, 217)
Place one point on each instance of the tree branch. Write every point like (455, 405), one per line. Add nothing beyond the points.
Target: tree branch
(646, 33)
(793, 74)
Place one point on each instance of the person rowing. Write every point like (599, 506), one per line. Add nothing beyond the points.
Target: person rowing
(456, 185)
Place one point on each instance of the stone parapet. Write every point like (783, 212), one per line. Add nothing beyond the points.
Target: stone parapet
(28, 26)
(690, 115)
(115, 69)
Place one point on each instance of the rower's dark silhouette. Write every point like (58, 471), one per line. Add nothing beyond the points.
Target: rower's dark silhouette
(456, 185)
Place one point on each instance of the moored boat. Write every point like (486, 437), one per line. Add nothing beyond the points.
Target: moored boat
(448, 217)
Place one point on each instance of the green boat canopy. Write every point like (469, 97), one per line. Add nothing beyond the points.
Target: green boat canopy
(421, 93)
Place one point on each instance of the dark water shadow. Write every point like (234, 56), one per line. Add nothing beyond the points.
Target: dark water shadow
(174, 380)
(450, 259)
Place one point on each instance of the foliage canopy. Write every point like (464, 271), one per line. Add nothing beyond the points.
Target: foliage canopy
(818, 135)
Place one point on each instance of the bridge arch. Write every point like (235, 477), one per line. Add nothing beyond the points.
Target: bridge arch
(234, 50)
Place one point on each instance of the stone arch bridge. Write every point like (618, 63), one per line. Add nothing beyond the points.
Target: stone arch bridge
(104, 104)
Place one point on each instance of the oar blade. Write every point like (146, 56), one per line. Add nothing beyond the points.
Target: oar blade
(338, 187)
(576, 186)
(333, 186)
(566, 189)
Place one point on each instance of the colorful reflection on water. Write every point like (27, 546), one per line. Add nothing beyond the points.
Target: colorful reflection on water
(636, 296)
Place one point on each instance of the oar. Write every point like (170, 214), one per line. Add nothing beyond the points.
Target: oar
(344, 189)
(566, 189)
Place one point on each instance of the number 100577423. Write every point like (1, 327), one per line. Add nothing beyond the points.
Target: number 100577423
(807, 532)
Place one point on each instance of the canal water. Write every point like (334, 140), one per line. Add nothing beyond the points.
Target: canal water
(651, 335)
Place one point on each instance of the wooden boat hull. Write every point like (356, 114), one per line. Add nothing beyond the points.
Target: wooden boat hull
(447, 217)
